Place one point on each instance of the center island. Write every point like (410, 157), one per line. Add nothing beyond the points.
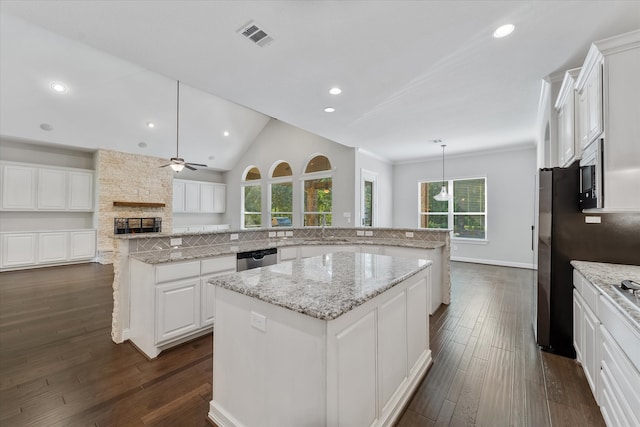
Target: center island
(340, 339)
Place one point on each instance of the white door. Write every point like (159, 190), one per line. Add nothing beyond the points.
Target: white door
(369, 196)
(52, 247)
(178, 196)
(192, 197)
(80, 191)
(52, 189)
(82, 244)
(18, 249)
(177, 309)
(207, 198)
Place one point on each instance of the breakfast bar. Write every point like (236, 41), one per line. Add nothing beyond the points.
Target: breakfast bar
(336, 339)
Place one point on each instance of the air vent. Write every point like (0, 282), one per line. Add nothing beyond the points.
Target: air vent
(256, 34)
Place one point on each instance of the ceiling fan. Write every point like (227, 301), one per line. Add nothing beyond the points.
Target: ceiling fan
(177, 163)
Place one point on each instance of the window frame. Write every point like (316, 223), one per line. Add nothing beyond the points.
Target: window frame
(450, 209)
(312, 176)
(280, 180)
(243, 185)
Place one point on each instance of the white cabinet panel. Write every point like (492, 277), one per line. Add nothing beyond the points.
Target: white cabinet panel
(287, 254)
(207, 198)
(52, 247)
(591, 348)
(19, 249)
(191, 196)
(317, 250)
(220, 198)
(356, 363)
(80, 191)
(578, 324)
(392, 347)
(177, 270)
(52, 189)
(417, 322)
(590, 106)
(178, 196)
(178, 309)
(82, 244)
(18, 187)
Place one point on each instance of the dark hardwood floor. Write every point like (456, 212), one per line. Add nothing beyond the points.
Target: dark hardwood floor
(59, 367)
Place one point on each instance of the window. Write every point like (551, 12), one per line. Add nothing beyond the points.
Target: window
(465, 213)
(282, 196)
(252, 199)
(317, 194)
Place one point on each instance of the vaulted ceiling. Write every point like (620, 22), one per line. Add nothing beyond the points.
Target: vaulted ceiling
(410, 71)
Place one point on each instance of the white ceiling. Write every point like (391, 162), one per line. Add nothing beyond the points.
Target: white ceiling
(410, 71)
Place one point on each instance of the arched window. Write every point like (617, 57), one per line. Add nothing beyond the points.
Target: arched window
(252, 198)
(318, 192)
(281, 191)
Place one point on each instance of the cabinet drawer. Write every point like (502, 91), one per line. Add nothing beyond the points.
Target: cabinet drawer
(590, 294)
(219, 264)
(287, 254)
(182, 270)
(621, 330)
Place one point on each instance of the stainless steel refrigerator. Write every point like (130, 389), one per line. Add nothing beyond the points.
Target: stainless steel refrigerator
(563, 236)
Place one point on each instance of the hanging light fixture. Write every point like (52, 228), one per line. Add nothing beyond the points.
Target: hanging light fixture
(443, 195)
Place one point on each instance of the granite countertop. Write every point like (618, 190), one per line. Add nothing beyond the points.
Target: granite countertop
(188, 253)
(326, 286)
(603, 275)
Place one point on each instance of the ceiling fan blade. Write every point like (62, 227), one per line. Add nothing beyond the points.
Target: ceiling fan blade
(164, 166)
(196, 164)
(186, 165)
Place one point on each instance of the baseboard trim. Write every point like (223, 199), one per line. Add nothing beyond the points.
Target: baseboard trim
(495, 262)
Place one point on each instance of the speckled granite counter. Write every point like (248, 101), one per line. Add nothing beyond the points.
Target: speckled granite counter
(324, 287)
(187, 253)
(604, 275)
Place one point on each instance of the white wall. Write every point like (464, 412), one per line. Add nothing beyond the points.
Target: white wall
(383, 172)
(510, 201)
(279, 141)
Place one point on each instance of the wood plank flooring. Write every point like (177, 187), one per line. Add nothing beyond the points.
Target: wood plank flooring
(59, 367)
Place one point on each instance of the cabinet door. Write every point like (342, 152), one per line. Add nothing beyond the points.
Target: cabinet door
(207, 198)
(177, 309)
(19, 249)
(82, 244)
(578, 328)
(18, 187)
(52, 247)
(566, 137)
(80, 191)
(594, 103)
(191, 196)
(178, 196)
(590, 351)
(317, 250)
(220, 198)
(52, 189)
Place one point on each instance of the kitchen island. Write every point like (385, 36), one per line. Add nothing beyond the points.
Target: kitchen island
(337, 339)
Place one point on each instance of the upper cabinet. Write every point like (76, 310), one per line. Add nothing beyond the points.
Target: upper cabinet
(34, 188)
(198, 197)
(569, 148)
(608, 106)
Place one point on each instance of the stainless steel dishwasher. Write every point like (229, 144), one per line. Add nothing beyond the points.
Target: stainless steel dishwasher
(255, 259)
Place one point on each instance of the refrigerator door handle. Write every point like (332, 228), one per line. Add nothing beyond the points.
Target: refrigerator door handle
(532, 236)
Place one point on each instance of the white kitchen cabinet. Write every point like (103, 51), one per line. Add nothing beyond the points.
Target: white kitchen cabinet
(578, 316)
(53, 247)
(82, 244)
(288, 253)
(308, 251)
(173, 302)
(18, 187)
(191, 196)
(608, 92)
(52, 189)
(586, 328)
(198, 197)
(589, 93)
(569, 148)
(80, 191)
(19, 249)
(178, 309)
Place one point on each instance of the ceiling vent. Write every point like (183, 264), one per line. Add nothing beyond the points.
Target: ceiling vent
(256, 34)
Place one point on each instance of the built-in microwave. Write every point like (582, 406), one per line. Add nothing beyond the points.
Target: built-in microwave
(591, 195)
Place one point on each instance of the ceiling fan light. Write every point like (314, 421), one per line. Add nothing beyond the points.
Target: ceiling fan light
(177, 167)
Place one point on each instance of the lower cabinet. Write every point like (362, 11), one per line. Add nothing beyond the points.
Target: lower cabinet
(173, 302)
(44, 248)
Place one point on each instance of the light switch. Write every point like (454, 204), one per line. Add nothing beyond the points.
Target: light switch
(409, 234)
(233, 236)
(272, 234)
(368, 233)
(289, 233)
(360, 233)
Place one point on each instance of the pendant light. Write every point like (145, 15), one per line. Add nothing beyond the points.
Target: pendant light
(443, 195)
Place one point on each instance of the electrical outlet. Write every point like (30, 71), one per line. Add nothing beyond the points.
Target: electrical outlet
(233, 236)
(409, 234)
(360, 233)
(592, 219)
(280, 234)
(368, 233)
(272, 234)
(289, 233)
(176, 241)
(258, 321)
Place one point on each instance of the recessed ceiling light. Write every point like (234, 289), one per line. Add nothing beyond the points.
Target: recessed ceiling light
(225, 133)
(58, 87)
(335, 91)
(329, 110)
(503, 31)
(211, 157)
(46, 126)
(151, 125)
(142, 144)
